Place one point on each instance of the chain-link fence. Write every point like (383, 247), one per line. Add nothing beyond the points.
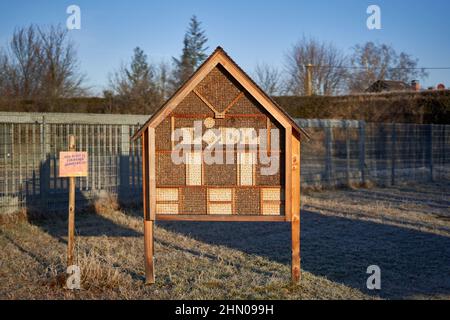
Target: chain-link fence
(339, 153)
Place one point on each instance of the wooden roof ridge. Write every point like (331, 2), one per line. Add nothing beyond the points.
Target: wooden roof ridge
(219, 51)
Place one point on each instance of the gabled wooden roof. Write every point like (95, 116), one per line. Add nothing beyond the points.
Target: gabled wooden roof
(219, 56)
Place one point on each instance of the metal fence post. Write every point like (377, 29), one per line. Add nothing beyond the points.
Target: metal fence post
(44, 174)
(329, 172)
(362, 151)
(393, 152)
(347, 153)
(430, 150)
(124, 161)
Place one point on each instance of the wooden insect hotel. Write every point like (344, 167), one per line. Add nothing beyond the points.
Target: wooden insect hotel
(220, 149)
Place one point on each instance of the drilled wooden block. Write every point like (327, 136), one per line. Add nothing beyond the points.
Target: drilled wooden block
(166, 194)
(271, 209)
(220, 194)
(167, 208)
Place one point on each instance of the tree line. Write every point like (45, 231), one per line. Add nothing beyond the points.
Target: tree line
(42, 64)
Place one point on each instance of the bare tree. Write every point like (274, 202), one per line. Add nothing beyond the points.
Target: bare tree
(61, 68)
(268, 78)
(328, 74)
(372, 62)
(21, 64)
(3, 73)
(40, 63)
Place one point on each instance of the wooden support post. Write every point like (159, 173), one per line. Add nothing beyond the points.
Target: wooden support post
(149, 248)
(148, 221)
(295, 207)
(71, 228)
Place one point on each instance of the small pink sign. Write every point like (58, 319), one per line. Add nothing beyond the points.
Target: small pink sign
(73, 164)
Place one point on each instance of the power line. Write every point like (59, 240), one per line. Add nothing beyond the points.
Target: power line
(389, 68)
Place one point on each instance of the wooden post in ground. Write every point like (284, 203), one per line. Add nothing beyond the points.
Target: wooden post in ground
(295, 210)
(148, 218)
(149, 250)
(71, 228)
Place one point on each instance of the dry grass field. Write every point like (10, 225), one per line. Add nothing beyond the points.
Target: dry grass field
(404, 230)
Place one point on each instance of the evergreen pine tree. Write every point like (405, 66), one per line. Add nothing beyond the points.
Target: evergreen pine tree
(193, 54)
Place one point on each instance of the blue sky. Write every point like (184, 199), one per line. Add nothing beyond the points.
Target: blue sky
(251, 31)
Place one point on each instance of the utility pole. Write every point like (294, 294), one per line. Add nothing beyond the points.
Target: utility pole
(308, 82)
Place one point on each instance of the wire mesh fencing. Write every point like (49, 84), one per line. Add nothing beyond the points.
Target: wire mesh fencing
(355, 153)
(340, 153)
(29, 159)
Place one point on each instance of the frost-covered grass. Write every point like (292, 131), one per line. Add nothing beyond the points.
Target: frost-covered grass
(404, 230)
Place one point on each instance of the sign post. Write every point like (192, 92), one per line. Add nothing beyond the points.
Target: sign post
(72, 164)
(71, 228)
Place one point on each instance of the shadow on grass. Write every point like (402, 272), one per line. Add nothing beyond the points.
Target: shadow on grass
(86, 225)
(341, 249)
(435, 197)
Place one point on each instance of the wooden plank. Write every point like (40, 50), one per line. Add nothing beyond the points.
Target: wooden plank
(149, 186)
(219, 187)
(205, 101)
(71, 222)
(295, 209)
(223, 218)
(172, 130)
(268, 127)
(288, 173)
(152, 172)
(204, 115)
(12, 156)
(145, 176)
(149, 252)
(232, 103)
(225, 151)
(295, 236)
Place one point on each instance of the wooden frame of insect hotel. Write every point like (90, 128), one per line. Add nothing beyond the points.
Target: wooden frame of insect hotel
(220, 149)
